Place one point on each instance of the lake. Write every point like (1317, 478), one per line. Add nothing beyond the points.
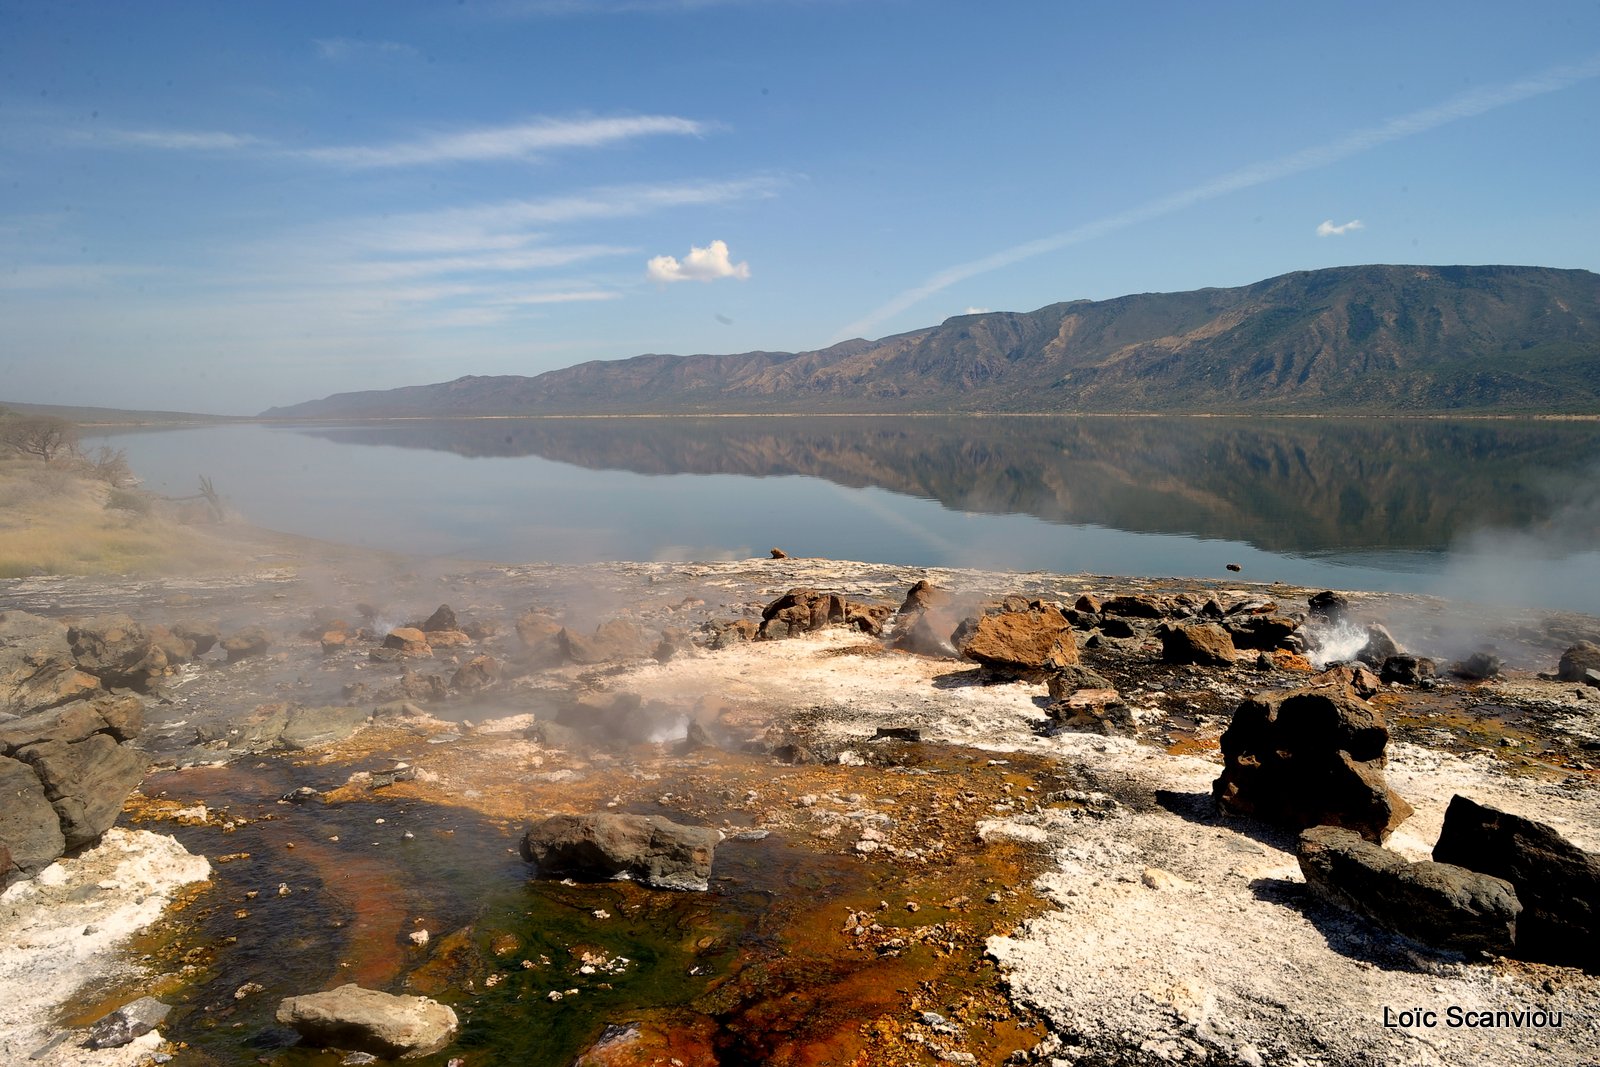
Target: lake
(1487, 510)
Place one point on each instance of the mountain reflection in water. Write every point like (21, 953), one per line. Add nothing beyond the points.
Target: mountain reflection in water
(1303, 486)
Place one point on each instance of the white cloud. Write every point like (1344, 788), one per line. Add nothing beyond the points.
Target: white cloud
(339, 48)
(976, 311)
(517, 141)
(700, 265)
(185, 140)
(1328, 229)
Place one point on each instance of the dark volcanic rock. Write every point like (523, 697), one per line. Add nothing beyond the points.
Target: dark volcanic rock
(120, 716)
(1019, 640)
(442, 619)
(1575, 661)
(1407, 669)
(1379, 647)
(1309, 757)
(652, 849)
(1557, 882)
(1203, 643)
(1068, 680)
(1137, 605)
(1435, 903)
(1354, 675)
(1328, 606)
(202, 636)
(37, 669)
(1478, 666)
(365, 1020)
(613, 640)
(726, 633)
(479, 672)
(30, 829)
(1261, 632)
(86, 782)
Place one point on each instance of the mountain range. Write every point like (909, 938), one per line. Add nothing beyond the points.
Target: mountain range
(1354, 340)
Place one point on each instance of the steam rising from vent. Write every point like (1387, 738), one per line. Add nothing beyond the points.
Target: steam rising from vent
(1338, 643)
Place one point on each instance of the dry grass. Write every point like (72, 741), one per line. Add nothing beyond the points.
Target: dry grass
(55, 520)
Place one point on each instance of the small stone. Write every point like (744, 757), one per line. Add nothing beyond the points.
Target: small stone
(128, 1022)
(419, 937)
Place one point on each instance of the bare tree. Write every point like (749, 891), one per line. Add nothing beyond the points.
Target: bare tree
(43, 436)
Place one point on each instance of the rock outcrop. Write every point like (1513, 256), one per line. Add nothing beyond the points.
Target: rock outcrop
(648, 848)
(1438, 904)
(116, 650)
(617, 639)
(801, 611)
(1309, 757)
(1557, 882)
(925, 621)
(366, 1020)
(37, 668)
(1577, 661)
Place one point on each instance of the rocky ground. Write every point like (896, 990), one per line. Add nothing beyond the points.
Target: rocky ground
(1001, 867)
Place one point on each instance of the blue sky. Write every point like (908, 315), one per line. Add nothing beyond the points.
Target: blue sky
(226, 206)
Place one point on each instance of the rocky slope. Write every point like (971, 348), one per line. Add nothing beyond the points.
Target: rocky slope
(1369, 338)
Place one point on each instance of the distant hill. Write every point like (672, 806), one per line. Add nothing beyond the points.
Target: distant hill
(1366, 339)
(88, 416)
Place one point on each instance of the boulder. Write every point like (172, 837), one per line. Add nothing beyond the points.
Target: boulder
(1329, 607)
(1097, 710)
(1019, 641)
(442, 619)
(1089, 604)
(1577, 660)
(1309, 757)
(728, 632)
(251, 641)
(1260, 632)
(115, 649)
(925, 623)
(127, 1023)
(203, 637)
(1357, 677)
(448, 639)
(801, 611)
(1203, 643)
(37, 669)
(365, 1020)
(1118, 627)
(30, 829)
(1438, 904)
(614, 640)
(86, 782)
(1557, 882)
(649, 848)
(176, 649)
(777, 553)
(535, 630)
(1477, 667)
(1407, 669)
(1379, 647)
(310, 727)
(408, 640)
(479, 672)
(1137, 605)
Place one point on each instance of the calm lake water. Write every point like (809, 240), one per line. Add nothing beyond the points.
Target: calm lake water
(1490, 511)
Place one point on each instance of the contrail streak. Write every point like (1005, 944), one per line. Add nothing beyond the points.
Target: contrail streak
(1465, 106)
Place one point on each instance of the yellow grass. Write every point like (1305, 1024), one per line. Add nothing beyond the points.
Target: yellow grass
(55, 520)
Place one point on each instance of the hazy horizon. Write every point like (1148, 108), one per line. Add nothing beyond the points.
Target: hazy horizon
(224, 209)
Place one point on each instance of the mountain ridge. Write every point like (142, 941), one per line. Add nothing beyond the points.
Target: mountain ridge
(1411, 339)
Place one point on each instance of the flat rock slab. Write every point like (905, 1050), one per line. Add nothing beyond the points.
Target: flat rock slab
(1019, 640)
(649, 848)
(366, 1020)
(1438, 904)
(128, 1023)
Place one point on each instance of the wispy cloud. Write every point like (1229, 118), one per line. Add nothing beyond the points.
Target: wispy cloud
(1327, 229)
(1464, 106)
(976, 311)
(342, 48)
(516, 141)
(700, 265)
(184, 140)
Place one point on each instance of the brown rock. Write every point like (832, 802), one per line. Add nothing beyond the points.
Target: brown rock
(1202, 643)
(1354, 675)
(1577, 661)
(778, 553)
(479, 672)
(37, 670)
(30, 829)
(615, 640)
(251, 641)
(116, 650)
(409, 640)
(447, 639)
(728, 632)
(203, 636)
(1309, 757)
(534, 629)
(649, 848)
(365, 1020)
(1135, 605)
(443, 618)
(801, 611)
(1019, 640)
